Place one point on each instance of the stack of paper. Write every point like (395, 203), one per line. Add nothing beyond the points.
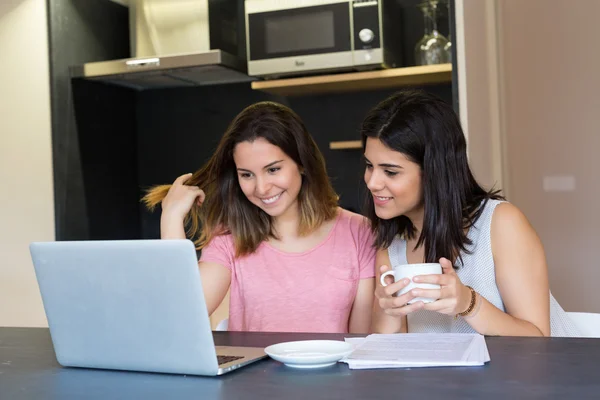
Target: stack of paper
(404, 350)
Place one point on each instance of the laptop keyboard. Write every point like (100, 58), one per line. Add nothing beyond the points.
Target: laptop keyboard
(225, 359)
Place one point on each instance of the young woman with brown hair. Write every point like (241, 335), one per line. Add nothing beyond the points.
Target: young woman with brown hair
(267, 220)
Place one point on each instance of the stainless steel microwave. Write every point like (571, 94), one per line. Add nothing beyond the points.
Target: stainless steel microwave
(294, 37)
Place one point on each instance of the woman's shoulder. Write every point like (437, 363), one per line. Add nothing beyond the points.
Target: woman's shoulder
(355, 228)
(352, 219)
(510, 226)
(222, 240)
(220, 249)
(507, 215)
(485, 211)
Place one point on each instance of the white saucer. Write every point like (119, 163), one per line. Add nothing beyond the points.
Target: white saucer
(309, 353)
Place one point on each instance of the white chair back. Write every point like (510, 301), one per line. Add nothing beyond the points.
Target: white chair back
(223, 325)
(587, 323)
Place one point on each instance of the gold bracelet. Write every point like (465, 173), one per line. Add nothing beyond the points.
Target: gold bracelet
(469, 310)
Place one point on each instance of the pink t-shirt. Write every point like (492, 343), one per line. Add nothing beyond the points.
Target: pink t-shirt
(312, 291)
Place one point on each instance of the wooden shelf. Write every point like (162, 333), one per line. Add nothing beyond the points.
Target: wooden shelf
(357, 81)
(347, 145)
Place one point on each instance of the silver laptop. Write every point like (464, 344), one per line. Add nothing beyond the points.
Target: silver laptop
(134, 305)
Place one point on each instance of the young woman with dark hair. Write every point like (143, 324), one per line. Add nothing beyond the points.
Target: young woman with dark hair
(266, 217)
(426, 206)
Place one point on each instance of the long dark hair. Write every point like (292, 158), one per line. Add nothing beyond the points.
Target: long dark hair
(427, 131)
(227, 210)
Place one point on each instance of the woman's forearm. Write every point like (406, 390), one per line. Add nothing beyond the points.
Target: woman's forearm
(383, 323)
(487, 319)
(171, 227)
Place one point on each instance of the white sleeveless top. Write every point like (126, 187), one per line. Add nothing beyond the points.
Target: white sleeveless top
(477, 270)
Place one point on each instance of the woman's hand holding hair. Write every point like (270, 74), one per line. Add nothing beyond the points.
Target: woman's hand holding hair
(179, 200)
(176, 205)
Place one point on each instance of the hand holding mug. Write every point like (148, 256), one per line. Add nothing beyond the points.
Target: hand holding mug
(453, 297)
(405, 301)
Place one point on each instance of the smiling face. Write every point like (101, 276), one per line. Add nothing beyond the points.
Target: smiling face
(269, 178)
(394, 182)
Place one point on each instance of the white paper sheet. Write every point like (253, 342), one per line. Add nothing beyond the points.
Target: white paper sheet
(409, 350)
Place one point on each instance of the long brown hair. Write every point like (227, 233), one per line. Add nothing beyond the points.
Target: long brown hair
(227, 210)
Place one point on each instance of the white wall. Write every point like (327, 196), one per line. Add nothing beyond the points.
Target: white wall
(26, 200)
(530, 100)
(550, 62)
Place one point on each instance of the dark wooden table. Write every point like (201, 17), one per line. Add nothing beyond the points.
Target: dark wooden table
(521, 368)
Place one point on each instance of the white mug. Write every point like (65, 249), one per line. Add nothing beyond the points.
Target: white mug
(409, 271)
